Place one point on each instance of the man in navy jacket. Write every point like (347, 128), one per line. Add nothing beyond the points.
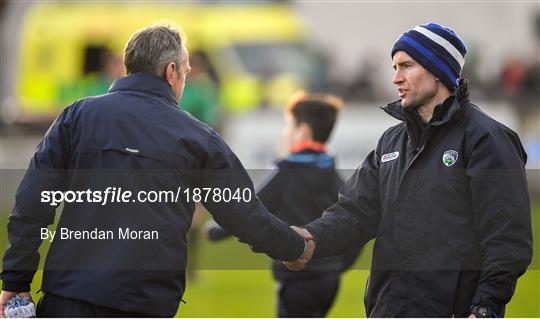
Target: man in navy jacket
(113, 257)
(444, 194)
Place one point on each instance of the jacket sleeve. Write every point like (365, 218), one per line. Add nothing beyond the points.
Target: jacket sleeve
(353, 252)
(45, 173)
(270, 189)
(496, 169)
(245, 218)
(215, 232)
(265, 193)
(355, 218)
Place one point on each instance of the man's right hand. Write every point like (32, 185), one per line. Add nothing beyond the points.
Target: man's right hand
(5, 296)
(301, 262)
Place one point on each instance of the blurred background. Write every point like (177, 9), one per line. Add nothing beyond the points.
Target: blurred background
(247, 58)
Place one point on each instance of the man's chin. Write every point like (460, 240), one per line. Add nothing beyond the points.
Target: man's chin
(405, 104)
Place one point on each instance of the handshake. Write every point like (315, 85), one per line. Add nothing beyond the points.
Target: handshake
(301, 262)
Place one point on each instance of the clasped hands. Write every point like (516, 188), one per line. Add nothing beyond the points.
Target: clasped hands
(301, 262)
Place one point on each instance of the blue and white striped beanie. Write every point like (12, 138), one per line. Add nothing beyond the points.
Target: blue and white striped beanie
(436, 48)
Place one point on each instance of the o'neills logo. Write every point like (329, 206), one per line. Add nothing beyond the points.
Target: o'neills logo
(389, 157)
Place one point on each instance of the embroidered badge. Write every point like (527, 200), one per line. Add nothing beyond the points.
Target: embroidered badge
(389, 156)
(450, 157)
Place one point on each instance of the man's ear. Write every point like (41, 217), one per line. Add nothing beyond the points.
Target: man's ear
(170, 72)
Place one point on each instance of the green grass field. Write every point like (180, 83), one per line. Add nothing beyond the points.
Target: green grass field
(250, 292)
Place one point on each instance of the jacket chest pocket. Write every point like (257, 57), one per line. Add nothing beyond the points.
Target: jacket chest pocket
(444, 171)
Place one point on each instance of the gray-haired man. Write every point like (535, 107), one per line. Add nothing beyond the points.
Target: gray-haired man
(113, 257)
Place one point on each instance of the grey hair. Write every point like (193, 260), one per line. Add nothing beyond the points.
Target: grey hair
(151, 49)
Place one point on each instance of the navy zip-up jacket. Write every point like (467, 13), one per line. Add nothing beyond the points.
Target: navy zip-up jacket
(137, 139)
(448, 207)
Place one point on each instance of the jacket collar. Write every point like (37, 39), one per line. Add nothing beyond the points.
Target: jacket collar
(442, 112)
(146, 83)
(321, 160)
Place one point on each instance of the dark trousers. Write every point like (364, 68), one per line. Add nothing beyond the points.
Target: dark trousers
(60, 307)
(307, 297)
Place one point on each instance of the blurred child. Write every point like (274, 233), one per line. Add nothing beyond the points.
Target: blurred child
(302, 185)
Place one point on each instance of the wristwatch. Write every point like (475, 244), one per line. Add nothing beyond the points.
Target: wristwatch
(481, 311)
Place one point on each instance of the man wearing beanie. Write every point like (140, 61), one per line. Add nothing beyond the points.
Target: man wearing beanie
(444, 195)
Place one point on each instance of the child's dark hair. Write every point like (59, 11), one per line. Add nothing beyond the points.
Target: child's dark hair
(318, 111)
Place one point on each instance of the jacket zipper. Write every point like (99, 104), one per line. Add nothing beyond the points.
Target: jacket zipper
(418, 152)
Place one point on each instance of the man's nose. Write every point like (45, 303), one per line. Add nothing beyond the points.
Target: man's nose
(398, 77)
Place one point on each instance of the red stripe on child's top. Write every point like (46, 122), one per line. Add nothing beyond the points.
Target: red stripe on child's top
(308, 145)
